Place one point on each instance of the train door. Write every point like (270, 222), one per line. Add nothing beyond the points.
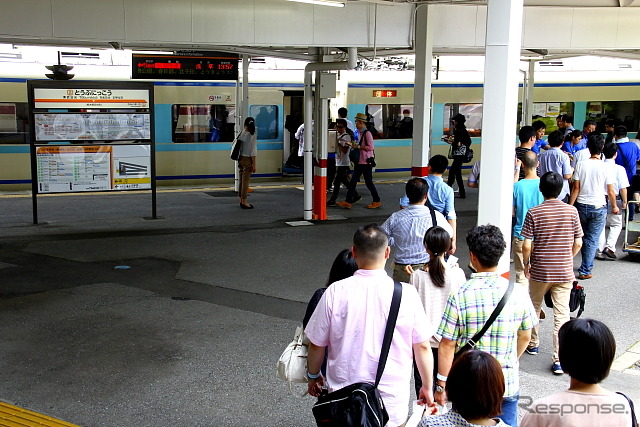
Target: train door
(294, 117)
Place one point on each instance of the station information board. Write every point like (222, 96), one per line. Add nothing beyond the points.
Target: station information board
(92, 127)
(64, 169)
(185, 65)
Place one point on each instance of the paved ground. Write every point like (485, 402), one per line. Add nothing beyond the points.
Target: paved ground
(189, 334)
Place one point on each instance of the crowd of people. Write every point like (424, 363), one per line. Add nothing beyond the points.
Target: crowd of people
(440, 313)
(564, 188)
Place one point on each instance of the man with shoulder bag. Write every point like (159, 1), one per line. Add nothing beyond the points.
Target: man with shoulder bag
(487, 313)
(352, 319)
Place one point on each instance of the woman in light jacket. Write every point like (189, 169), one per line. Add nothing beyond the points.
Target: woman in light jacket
(247, 160)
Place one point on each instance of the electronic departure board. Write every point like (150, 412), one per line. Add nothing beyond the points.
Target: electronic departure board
(186, 65)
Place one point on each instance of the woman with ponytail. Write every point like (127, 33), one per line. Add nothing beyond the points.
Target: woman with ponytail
(434, 283)
(247, 160)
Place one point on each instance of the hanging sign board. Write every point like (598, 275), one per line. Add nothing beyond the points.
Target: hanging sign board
(69, 169)
(185, 65)
(90, 98)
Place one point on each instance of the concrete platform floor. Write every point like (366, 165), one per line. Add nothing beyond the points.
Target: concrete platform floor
(190, 333)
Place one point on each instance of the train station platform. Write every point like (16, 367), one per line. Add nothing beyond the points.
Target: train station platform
(110, 318)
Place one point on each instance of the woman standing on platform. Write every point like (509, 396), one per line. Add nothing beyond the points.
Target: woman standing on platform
(459, 145)
(247, 161)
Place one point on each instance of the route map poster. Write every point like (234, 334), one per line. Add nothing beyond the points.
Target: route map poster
(65, 169)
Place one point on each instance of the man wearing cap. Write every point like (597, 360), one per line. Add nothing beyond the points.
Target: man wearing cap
(364, 166)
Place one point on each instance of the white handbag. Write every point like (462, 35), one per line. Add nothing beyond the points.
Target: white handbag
(292, 365)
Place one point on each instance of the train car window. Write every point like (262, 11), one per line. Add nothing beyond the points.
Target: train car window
(202, 123)
(472, 114)
(548, 111)
(623, 112)
(266, 117)
(14, 123)
(393, 121)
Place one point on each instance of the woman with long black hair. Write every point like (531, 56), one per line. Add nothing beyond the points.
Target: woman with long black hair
(247, 160)
(459, 146)
(434, 282)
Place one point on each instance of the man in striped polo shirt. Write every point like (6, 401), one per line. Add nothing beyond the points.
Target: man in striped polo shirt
(555, 227)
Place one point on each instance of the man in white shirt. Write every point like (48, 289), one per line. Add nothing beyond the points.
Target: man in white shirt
(589, 178)
(607, 243)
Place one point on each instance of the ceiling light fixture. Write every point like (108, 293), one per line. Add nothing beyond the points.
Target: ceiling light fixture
(322, 2)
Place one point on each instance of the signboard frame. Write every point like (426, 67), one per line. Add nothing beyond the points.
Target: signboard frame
(100, 109)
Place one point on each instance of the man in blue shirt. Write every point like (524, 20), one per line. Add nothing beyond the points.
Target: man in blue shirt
(406, 229)
(554, 160)
(526, 194)
(628, 152)
(628, 157)
(540, 144)
(567, 124)
(440, 194)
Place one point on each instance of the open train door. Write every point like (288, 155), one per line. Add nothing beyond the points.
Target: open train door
(294, 117)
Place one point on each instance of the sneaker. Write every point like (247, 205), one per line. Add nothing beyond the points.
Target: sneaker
(374, 205)
(609, 254)
(556, 368)
(600, 256)
(532, 350)
(345, 205)
(584, 276)
(357, 198)
(331, 203)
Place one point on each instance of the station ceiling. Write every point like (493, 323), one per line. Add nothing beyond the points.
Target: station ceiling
(551, 28)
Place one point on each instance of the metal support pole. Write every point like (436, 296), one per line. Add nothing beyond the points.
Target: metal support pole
(308, 162)
(422, 92)
(320, 170)
(502, 59)
(242, 112)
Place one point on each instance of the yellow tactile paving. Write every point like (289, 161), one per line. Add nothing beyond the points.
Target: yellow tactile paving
(14, 416)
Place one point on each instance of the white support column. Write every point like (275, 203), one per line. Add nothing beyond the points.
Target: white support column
(422, 91)
(527, 120)
(501, 73)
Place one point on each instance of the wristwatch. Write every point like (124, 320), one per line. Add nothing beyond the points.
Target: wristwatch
(439, 388)
(313, 376)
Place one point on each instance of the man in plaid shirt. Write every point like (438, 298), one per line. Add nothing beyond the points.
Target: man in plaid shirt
(469, 307)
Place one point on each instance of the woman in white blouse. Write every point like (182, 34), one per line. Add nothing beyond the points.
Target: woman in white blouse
(434, 283)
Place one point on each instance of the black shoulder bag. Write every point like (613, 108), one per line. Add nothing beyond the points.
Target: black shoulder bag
(634, 420)
(470, 345)
(360, 404)
(236, 148)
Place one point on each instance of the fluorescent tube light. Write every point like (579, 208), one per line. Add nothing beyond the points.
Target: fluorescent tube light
(322, 2)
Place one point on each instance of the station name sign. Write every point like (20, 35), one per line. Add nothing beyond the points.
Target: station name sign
(185, 65)
(90, 98)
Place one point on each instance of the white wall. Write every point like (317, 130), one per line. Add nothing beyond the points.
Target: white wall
(198, 23)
